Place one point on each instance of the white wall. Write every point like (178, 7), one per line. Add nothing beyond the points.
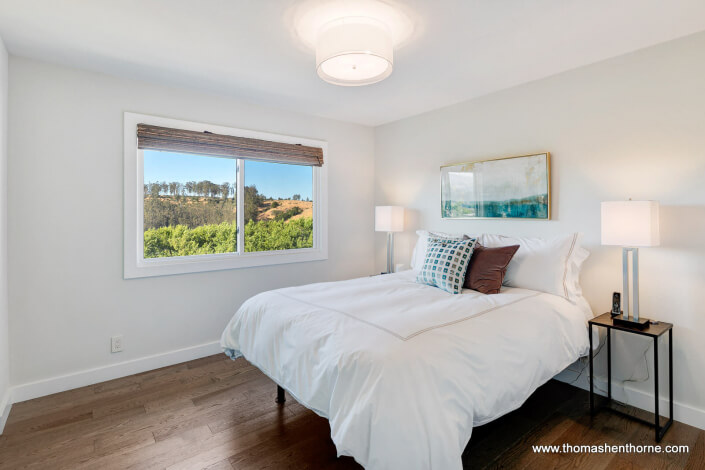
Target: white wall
(4, 324)
(633, 126)
(67, 294)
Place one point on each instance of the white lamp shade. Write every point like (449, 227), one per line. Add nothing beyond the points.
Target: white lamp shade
(389, 219)
(354, 51)
(630, 223)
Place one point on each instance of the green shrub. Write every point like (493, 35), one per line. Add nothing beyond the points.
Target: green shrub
(264, 235)
(287, 214)
(267, 235)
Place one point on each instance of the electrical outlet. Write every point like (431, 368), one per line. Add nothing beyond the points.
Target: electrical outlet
(116, 344)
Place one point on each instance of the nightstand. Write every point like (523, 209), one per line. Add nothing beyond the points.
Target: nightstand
(655, 331)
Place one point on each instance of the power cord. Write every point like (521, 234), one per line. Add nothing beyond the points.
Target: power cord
(646, 366)
(630, 379)
(587, 364)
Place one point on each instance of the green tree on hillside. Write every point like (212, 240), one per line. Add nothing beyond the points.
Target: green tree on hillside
(253, 201)
(155, 189)
(287, 214)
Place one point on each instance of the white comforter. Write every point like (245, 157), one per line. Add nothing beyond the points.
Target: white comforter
(404, 371)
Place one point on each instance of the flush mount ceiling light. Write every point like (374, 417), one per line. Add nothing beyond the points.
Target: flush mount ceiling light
(354, 40)
(354, 51)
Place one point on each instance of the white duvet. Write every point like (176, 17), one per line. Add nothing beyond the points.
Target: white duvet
(404, 371)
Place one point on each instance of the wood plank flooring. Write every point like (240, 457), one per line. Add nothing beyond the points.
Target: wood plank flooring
(218, 414)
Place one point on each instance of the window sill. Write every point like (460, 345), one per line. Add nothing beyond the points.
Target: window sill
(204, 263)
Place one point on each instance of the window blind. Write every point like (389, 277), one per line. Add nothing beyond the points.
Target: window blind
(206, 143)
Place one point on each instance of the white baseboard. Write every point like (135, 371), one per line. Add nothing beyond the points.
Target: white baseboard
(5, 406)
(96, 375)
(626, 393)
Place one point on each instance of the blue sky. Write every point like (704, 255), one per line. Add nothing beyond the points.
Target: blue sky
(272, 179)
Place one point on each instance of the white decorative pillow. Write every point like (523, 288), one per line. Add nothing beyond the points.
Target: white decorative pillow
(419, 253)
(549, 265)
(445, 264)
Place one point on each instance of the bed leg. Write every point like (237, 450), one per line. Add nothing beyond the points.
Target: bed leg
(280, 395)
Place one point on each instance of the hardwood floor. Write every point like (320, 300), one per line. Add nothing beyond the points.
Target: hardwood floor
(217, 414)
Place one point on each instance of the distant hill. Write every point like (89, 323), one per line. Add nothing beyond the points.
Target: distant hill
(195, 211)
(267, 212)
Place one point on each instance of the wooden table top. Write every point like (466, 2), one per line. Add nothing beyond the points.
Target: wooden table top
(652, 330)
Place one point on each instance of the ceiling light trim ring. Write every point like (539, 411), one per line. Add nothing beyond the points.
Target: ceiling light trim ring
(365, 52)
(353, 82)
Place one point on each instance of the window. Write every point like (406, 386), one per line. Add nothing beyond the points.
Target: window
(202, 198)
(185, 211)
(278, 206)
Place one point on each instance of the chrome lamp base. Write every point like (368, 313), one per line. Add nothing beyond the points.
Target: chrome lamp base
(390, 252)
(626, 320)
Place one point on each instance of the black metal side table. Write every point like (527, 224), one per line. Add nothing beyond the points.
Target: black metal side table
(655, 331)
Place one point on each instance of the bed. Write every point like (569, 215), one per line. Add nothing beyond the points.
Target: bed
(404, 371)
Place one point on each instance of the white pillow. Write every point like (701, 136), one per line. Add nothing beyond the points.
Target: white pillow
(419, 253)
(549, 265)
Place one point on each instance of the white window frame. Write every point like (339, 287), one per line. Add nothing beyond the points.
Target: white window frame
(136, 266)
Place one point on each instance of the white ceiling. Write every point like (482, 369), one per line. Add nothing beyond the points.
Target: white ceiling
(248, 48)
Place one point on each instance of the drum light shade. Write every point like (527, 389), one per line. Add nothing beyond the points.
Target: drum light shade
(354, 51)
(630, 223)
(389, 219)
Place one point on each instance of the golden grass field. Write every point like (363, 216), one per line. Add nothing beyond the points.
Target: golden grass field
(267, 213)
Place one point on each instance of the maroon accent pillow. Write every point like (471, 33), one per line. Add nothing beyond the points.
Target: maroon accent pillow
(487, 268)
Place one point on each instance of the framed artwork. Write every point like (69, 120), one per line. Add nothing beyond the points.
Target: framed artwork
(504, 188)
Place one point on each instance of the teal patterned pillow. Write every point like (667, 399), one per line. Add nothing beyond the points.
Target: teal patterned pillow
(445, 264)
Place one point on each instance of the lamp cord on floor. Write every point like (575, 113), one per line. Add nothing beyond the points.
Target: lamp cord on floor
(630, 379)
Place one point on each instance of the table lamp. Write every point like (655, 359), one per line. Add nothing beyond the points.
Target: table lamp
(630, 224)
(389, 219)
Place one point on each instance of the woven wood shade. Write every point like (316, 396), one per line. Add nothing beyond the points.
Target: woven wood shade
(219, 145)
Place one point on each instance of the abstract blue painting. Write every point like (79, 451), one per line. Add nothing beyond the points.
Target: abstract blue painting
(504, 188)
